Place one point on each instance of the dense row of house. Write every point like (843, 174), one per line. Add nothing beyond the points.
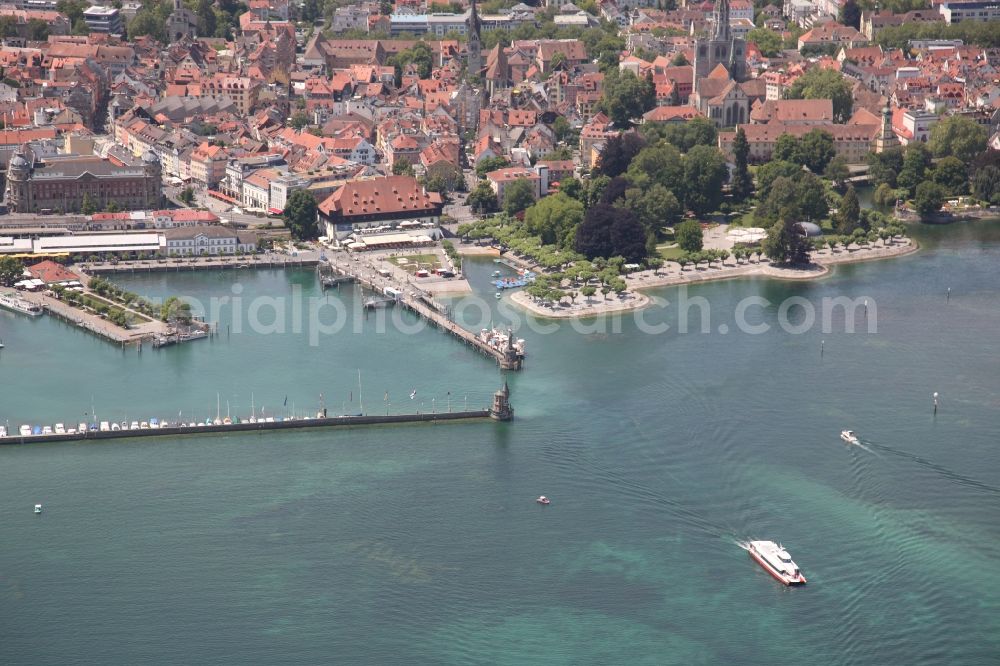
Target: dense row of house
(252, 119)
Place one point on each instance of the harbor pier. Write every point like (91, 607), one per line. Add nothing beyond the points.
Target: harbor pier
(500, 410)
(507, 356)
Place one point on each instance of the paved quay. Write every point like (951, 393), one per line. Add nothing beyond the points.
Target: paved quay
(147, 330)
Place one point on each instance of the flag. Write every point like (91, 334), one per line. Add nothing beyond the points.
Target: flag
(413, 394)
(286, 402)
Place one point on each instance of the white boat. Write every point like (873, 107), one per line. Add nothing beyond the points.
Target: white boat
(25, 430)
(60, 429)
(15, 303)
(776, 561)
(3, 431)
(105, 426)
(38, 508)
(81, 427)
(498, 295)
(47, 430)
(849, 436)
(543, 500)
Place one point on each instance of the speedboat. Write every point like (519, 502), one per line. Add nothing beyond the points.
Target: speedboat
(776, 561)
(849, 436)
(543, 500)
(38, 508)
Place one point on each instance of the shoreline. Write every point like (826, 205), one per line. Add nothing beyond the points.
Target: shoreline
(672, 275)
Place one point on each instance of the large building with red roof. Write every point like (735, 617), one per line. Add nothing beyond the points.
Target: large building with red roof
(363, 204)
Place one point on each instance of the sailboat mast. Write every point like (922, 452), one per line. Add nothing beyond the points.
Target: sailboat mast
(361, 404)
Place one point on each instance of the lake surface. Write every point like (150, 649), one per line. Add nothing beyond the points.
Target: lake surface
(423, 544)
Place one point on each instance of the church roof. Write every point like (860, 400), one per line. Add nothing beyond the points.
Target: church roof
(720, 72)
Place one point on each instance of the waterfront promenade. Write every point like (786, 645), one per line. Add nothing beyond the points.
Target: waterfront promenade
(148, 329)
(673, 274)
(303, 259)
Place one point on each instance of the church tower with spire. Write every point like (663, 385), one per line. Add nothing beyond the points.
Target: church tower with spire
(721, 48)
(474, 44)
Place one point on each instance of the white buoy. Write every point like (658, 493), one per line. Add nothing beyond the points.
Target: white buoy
(935, 401)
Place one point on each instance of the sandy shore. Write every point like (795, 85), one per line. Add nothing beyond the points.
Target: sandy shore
(671, 274)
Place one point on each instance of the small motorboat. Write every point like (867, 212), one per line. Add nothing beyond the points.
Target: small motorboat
(498, 295)
(543, 500)
(496, 274)
(849, 436)
(38, 508)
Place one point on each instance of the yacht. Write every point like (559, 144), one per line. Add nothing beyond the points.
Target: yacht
(25, 430)
(776, 561)
(849, 436)
(12, 301)
(3, 431)
(60, 429)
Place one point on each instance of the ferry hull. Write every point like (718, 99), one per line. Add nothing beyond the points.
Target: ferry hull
(778, 576)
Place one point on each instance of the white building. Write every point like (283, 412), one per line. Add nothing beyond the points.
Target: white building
(282, 188)
(207, 241)
(958, 12)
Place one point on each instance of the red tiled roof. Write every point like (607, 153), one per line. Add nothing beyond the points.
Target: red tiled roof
(390, 195)
(50, 272)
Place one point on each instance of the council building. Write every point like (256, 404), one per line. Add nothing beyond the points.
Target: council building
(60, 183)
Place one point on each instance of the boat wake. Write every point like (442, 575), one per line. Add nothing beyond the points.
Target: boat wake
(861, 445)
(939, 469)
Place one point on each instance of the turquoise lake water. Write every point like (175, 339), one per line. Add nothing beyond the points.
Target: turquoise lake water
(423, 544)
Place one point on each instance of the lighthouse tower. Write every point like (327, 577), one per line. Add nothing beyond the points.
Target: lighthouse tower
(501, 409)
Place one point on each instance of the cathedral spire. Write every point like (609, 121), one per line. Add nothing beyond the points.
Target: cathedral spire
(720, 15)
(474, 45)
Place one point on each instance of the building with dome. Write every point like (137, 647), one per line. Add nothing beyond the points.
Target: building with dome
(60, 183)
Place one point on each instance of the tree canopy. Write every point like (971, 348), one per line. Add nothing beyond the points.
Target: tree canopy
(554, 219)
(626, 96)
(618, 153)
(518, 195)
(768, 41)
(929, 198)
(705, 173)
(608, 231)
(818, 83)
(300, 215)
(689, 236)
(958, 136)
(786, 244)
